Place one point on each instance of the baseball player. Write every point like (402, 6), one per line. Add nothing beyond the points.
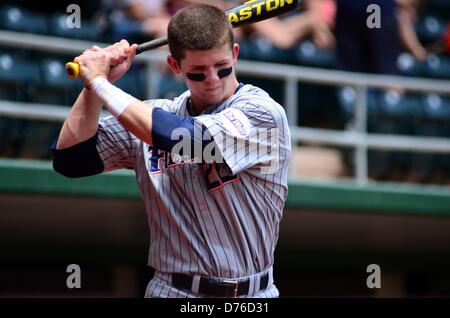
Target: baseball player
(211, 165)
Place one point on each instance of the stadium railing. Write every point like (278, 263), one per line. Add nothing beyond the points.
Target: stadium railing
(357, 137)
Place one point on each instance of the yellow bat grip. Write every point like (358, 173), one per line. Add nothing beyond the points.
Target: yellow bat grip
(72, 70)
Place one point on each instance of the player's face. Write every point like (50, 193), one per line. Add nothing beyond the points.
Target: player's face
(209, 74)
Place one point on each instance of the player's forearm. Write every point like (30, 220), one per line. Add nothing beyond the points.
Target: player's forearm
(82, 122)
(137, 119)
(134, 115)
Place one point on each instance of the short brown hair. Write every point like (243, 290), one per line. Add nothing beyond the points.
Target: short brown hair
(198, 27)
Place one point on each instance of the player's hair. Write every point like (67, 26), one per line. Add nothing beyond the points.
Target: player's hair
(198, 27)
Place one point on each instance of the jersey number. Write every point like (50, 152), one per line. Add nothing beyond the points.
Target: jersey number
(215, 179)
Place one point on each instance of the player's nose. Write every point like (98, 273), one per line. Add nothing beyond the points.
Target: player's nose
(211, 75)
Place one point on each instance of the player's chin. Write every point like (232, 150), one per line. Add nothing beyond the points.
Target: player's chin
(213, 96)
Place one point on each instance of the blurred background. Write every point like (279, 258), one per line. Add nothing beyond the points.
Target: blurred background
(367, 94)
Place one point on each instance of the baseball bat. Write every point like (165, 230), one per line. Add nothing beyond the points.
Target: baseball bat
(250, 12)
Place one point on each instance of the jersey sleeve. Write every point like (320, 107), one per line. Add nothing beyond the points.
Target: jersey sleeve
(116, 146)
(245, 134)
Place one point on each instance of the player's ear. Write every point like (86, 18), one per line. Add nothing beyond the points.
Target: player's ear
(236, 49)
(174, 65)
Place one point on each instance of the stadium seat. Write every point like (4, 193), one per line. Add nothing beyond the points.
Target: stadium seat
(17, 69)
(409, 66)
(16, 73)
(430, 28)
(8, 89)
(391, 112)
(318, 106)
(402, 108)
(435, 122)
(441, 4)
(169, 87)
(307, 53)
(346, 97)
(58, 27)
(36, 139)
(436, 108)
(55, 87)
(133, 82)
(11, 133)
(15, 18)
(53, 73)
(440, 8)
(438, 66)
(245, 50)
(379, 161)
(259, 49)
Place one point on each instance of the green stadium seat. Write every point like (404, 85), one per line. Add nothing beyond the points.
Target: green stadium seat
(37, 137)
(16, 73)
(318, 106)
(409, 66)
(55, 87)
(262, 50)
(169, 87)
(11, 133)
(346, 97)
(17, 69)
(438, 66)
(58, 27)
(130, 82)
(391, 113)
(430, 28)
(53, 73)
(307, 53)
(395, 105)
(15, 18)
(246, 49)
(434, 122)
(440, 8)
(437, 109)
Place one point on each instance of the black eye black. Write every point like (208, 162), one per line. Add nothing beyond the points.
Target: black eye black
(198, 77)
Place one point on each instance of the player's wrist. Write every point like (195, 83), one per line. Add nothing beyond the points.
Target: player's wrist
(116, 100)
(90, 79)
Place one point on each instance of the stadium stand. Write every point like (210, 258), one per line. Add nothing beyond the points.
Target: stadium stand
(20, 19)
(430, 28)
(58, 27)
(38, 77)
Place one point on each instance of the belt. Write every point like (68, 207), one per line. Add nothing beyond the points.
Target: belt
(214, 288)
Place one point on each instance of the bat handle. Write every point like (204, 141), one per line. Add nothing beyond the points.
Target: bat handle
(73, 69)
(150, 45)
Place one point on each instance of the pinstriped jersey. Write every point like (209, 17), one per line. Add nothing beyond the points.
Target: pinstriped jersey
(220, 217)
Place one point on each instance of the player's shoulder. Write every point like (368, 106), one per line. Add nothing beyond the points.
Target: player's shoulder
(255, 99)
(169, 105)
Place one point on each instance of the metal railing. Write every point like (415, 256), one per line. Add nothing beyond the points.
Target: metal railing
(358, 138)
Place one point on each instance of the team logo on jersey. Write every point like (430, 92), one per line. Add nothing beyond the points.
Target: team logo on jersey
(235, 122)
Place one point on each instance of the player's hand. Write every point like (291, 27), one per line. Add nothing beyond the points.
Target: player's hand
(122, 56)
(111, 62)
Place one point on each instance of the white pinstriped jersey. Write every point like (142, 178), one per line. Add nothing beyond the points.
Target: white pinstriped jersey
(213, 219)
